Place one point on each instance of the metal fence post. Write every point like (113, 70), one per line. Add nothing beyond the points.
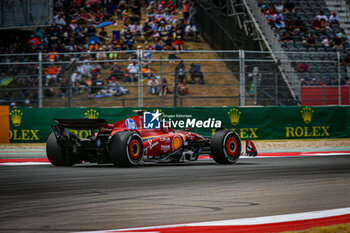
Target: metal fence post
(242, 77)
(140, 80)
(40, 84)
(177, 82)
(70, 87)
(339, 79)
(69, 83)
(141, 77)
(276, 89)
(255, 80)
(323, 95)
(175, 88)
(161, 82)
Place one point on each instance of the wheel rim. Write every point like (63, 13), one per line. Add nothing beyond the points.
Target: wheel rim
(231, 146)
(135, 149)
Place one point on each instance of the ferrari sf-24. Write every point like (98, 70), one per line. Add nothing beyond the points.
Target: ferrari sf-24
(127, 143)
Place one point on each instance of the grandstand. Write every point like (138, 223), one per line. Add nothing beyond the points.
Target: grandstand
(257, 61)
(258, 19)
(307, 11)
(325, 61)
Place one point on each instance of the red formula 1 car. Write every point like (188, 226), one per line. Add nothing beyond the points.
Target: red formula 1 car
(127, 143)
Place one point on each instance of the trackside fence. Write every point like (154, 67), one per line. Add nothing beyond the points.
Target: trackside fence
(207, 78)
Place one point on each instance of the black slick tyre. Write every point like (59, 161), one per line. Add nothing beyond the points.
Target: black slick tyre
(126, 149)
(225, 147)
(56, 155)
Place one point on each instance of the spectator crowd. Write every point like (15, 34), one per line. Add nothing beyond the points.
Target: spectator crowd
(79, 32)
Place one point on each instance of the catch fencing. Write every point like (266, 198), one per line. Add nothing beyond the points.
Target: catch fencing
(207, 78)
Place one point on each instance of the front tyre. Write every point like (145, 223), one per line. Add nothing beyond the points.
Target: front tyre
(56, 155)
(225, 147)
(126, 149)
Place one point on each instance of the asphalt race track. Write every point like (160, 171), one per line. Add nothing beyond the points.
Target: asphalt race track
(44, 198)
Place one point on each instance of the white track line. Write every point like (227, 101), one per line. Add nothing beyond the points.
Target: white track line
(249, 221)
(243, 157)
(23, 163)
(295, 156)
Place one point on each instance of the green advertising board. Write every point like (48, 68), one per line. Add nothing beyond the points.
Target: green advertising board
(298, 122)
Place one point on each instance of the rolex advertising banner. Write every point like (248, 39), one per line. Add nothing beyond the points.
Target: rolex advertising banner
(297, 122)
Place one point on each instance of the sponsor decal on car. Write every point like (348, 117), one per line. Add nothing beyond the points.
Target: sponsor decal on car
(130, 124)
(165, 148)
(164, 139)
(106, 130)
(150, 145)
(176, 142)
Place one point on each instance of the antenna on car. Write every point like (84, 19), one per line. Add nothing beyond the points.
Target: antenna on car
(139, 112)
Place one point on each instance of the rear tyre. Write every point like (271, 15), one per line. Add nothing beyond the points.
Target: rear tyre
(225, 147)
(126, 149)
(56, 155)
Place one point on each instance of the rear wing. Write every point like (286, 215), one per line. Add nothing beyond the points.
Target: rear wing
(81, 123)
(66, 138)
